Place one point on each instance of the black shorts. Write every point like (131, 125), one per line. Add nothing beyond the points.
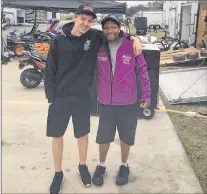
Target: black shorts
(59, 114)
(123, 117)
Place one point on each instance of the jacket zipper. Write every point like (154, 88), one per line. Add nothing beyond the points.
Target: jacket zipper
(111, 72)
(116, 56)
(108, 54)
(114, 70)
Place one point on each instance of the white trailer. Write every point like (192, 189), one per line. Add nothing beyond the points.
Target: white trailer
(181, 18)
(30, 16)
(188, 21)
(153, 17)
(11, 14)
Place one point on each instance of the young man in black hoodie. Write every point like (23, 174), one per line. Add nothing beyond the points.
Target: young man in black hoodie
(68, 78)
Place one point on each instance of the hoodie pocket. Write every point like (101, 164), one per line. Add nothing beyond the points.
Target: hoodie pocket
(124, 92)
(103, 88)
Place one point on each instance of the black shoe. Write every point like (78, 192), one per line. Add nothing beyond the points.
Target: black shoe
(98, 177)
(55, 187)
(123, 174)
(85, 175)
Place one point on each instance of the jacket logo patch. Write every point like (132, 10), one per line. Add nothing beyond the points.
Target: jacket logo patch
(87, 45)
(126, 59)
(102, 58)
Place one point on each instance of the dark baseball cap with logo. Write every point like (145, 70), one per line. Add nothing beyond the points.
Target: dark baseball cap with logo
(86, 9)
(111, 18)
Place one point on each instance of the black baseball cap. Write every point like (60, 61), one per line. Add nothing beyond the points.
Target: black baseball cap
(111, 18)
(86, 9)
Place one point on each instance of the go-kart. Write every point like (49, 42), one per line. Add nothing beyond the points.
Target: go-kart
(18, 44)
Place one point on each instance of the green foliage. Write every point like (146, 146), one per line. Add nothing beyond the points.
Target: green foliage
(151, 6)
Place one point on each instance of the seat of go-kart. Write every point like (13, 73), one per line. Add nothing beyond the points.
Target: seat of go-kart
(41, 56)
(27, 37)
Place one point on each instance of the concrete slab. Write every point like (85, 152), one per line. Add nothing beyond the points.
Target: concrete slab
(158, 162)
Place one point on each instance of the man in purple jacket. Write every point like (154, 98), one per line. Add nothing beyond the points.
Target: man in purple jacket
(118, 75)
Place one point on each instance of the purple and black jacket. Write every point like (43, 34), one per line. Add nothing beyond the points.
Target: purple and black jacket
(121, 88)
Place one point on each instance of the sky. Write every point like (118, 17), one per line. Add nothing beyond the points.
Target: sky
(131, 3)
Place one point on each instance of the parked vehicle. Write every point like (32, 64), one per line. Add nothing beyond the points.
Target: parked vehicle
(6, 25)
(32, 67)
(18, 43)
(154, 19)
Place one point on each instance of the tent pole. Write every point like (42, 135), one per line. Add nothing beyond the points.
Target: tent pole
(35, 17)
(34, 27)
(2, 45)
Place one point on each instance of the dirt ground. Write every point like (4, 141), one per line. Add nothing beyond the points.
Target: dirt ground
(192, 132)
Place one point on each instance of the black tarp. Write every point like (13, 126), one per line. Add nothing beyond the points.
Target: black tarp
(66, 5)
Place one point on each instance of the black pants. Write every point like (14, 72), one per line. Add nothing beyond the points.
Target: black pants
(59, 114)
(123, 117)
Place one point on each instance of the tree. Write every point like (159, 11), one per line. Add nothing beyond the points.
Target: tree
(151, 6)
(155, 5)
(134, 9)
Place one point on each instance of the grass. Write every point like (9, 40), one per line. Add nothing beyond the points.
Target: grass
(192, 132)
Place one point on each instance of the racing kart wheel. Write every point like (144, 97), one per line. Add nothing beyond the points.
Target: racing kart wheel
(18, 50)
(147, 113)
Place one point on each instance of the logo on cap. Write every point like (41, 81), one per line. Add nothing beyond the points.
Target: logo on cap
(88, 7)
(113, 17)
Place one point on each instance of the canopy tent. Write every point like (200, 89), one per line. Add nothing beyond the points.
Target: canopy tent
(108, 6)
(66, 5)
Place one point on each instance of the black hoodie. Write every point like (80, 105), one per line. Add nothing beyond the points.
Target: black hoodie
(70, 64)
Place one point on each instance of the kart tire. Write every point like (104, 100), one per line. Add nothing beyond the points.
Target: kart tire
(18, 50)
(180, 45)
(157, 27)
(151, 26)
(148, 113)
(28, 82)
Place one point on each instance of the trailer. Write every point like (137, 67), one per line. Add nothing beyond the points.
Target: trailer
(186, 19)
(7, 20)
(188, 22)
(201, 34)
(10, 14)
(153, 18)
(40, 18)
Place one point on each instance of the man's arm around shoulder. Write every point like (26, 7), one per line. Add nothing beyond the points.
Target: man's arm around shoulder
(137, 45)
